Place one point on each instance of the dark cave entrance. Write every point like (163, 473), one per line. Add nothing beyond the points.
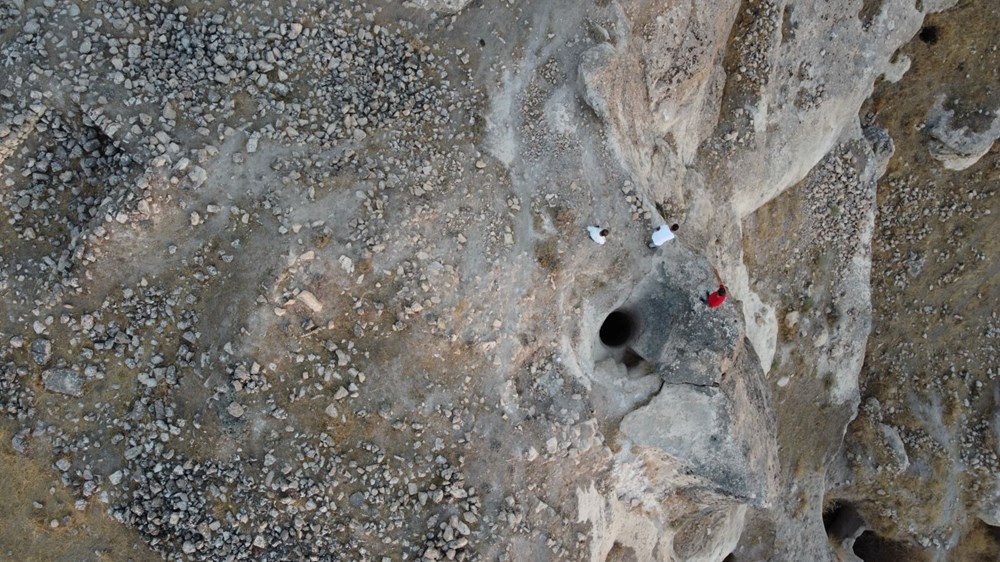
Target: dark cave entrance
(617, 329)
(870, 547)
(841, 520)
(930, 34)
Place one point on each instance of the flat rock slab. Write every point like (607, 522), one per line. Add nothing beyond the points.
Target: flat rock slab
(63, 381)
(694, 424)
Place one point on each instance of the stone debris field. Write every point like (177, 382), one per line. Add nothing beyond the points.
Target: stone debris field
(309, 280)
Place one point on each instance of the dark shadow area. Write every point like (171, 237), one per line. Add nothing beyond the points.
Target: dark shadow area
(631, 359)
(729, 558)
(873, 548)
(869, 10)
(841, 521)
(981, 543)
(929, 34)
(621, 553)
(617, 329)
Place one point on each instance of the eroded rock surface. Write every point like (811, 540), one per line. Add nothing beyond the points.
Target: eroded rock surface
(313, 281)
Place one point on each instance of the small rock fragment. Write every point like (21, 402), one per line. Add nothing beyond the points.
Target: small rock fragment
(310, 301)
(41, 351)
(236, 410)
(197, 175)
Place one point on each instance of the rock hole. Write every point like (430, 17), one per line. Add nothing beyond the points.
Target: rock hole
(930, 34)
(841, 521)
(729, 558)
(617, 329)
(872, 548)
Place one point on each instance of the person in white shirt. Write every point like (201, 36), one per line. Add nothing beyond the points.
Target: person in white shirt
(663, 234)
(598, 234)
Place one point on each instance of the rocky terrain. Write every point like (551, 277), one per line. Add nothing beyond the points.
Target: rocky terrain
(300, 280)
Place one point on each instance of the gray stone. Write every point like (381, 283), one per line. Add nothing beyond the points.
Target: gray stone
(722, 437)
(197, 175)
(958, 147)
(236, 410)
(19, 442)
(63, 381)
(41, 351)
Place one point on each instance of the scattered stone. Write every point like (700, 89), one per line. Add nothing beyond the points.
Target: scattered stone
(347, 264)
(41, 351)
(310, 301)
(63, 381)
(198, 176)
(235, 409)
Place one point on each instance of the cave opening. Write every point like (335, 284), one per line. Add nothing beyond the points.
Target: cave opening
(871, 547)
(617, 329)
(929, 34)
(841, 521)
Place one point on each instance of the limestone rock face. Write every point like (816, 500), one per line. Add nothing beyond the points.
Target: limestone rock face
(313, 278)
(697, 425)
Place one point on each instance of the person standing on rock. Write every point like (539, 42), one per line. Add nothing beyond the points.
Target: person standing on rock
(662, 235)
(598, 234)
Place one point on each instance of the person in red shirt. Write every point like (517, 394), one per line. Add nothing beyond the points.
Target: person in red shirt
(715, 299)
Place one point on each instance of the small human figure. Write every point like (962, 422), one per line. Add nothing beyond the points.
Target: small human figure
(714, 300)
(598, 234)
(663, 234)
